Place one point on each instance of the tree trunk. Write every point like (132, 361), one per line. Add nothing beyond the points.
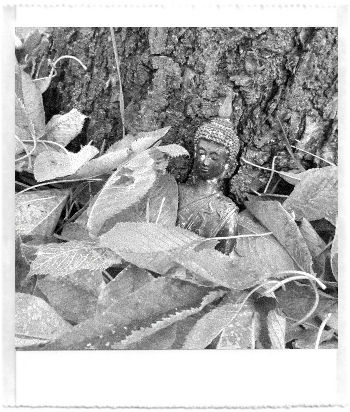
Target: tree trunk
(281, 77)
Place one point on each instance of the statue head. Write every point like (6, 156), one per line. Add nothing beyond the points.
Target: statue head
(216, 149)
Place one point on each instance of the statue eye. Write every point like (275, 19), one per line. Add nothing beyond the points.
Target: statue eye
(214, 157)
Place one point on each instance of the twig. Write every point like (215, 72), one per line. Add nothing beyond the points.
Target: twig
(322, 326)
(121, 95)
(272, 173)
(289, 148)
(67, 56)
(45, 142)
(108, 276)
(147, 211)
(308, 275)
(267, 168)
(311, 154)
(324, 249)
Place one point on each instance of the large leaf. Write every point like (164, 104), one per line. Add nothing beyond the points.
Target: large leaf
(153, 302)
(103, 164)
(62, 259)
(147, 238)
(158, 206)
(124, 188)
(127, 281)
(276, 325)
(33, 103)
(214, 322)
(334, 254)
(316, 195)
(36, 322)
(75, 296)
(315, 244)
(64, 128)
(272, 215)
(52, 164)
(37, 213)
(173, 150)
(257, 258)
(24, 126)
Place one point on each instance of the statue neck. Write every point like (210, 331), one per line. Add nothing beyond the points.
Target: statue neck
(209, 187)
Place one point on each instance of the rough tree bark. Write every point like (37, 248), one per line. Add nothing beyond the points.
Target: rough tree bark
(180, 76)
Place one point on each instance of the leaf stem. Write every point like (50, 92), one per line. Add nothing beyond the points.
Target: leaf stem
(299, 272)
(67, 56)
(289, 148)
(322, 326)
(238, 236)
(44, 142)
(160, 209)
(311, 154)
(52, 182)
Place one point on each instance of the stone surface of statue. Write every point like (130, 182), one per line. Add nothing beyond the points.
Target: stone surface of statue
(203, 208)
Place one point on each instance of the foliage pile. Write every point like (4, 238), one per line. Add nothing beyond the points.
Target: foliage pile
(101, 264)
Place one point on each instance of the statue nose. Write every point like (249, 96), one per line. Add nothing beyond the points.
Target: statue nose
(205, 161)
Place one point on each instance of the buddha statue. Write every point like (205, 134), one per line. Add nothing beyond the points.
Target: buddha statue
(203, 208)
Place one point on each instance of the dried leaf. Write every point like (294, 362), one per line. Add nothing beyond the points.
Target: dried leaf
(272, 215)
(36, 321)
(75, 296)
(52, 164)
(334, 254)
(62, 259)
(173, 150)
(315, 244)
(33, 103)
(213, 323)
(156, 300)
(63, 128)
(128, 281)
(258, 258)
(316, 195)
(276, 325)
(124, 188)
(37, 213)
(145, 140)
(103, 164)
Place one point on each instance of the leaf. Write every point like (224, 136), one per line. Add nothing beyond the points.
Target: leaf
(75, 231)
(156, 300)
(122, 144)
(272, 215)
(316, 195)
(24, 126)
(240, 332)
(43, 83)
(63, 128)
(21, 264)
(159, 205)
(213, 323)
(37, 213)
(144, 333)
(33, 103)
(145, 140)
(147, 238)
(276, 325)
(334, 254)
(213, 266)
(307, 338)
(173, 150)
(127, 281)
(261, 257)
(52, 164)
(315, 244)
(62, 259)
(124, 188)
(75, 296)
(36, 322)
(160, 340)
(292, 176)
(103, 164)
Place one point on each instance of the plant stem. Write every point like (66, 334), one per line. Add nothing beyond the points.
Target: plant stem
(267, 168)
(311, 154)
(272, 173)
(160, 209)
(238, 236)
(121, 95)
(52, 182)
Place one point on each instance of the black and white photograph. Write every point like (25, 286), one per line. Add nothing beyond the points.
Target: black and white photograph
(176, 188)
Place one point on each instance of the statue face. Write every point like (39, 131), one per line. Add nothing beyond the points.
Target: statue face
(211, 160)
